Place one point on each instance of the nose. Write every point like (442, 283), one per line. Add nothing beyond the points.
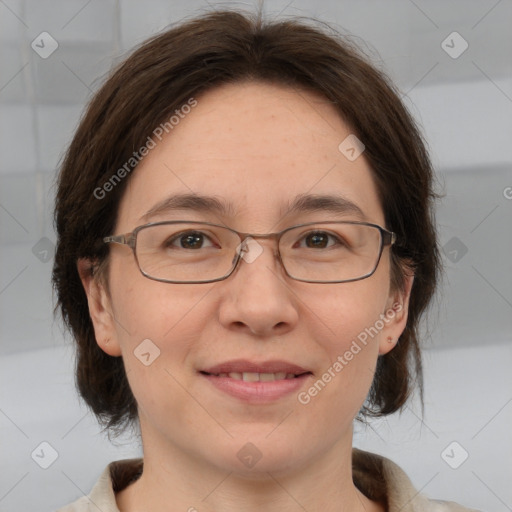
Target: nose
(257, 297)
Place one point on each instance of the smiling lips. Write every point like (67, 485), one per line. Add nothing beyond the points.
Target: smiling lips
(257, 377)
(256, 382)
(253, 372)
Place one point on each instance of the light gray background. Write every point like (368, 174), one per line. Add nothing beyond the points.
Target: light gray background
(464, 105)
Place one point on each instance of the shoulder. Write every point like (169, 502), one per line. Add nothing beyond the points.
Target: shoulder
(381, 479)
(116, 476)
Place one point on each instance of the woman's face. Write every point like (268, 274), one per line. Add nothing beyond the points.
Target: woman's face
(257, 147)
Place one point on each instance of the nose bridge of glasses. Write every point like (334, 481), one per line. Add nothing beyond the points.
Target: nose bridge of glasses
(252, 245)
(255, 242)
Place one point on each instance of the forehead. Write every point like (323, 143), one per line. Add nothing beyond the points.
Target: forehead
(257, 148)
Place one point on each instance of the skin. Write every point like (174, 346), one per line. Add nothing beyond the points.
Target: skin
(263, 144)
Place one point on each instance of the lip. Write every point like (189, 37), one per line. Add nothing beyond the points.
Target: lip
(243, 366)
(261, 392)
(257, 392)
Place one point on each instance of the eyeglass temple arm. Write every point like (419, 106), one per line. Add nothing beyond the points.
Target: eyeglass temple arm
(126, 239)
(388, 238)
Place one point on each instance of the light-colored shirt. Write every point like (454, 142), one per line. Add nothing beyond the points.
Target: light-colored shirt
(375, 476)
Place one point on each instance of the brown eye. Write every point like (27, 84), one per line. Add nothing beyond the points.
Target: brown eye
(188, 240)
(319, 240)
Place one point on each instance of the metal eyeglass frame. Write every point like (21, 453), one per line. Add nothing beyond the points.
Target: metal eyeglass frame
(130, 239)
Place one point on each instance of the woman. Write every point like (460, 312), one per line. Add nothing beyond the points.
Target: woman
(245, 248)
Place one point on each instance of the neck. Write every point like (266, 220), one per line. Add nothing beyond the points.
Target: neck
(173, 480)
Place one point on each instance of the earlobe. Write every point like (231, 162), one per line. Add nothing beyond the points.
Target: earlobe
(100, 309)
(395, 316)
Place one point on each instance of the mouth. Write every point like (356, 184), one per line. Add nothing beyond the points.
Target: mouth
(257, 382)
(249, 371)
(256, 376)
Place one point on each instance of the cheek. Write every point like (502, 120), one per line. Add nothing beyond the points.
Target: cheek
(348, 325)
(158, 325)
(352, 348)
(350, 312)
(144, 308)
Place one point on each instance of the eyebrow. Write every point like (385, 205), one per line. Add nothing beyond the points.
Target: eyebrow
(303, 203)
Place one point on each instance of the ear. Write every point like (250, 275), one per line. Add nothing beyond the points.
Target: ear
(395, 316)
(100, 309)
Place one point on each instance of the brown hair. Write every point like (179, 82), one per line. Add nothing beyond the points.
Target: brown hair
(185, 61)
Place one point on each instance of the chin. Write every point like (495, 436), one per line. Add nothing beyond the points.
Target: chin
(255, 456)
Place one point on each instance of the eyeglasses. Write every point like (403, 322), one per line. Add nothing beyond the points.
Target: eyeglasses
(200, 252)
